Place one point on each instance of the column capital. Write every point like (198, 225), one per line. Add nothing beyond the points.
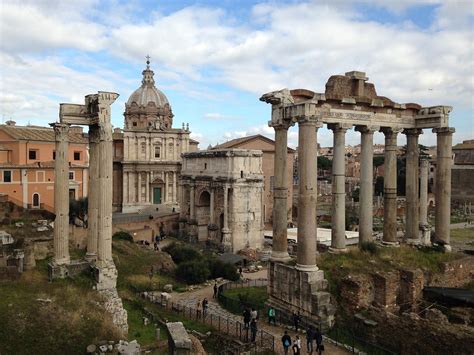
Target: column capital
(444, 130)
(412, 131)
(390, 130)
(281, 124)
(367, 129)
(342, 127)
(61, 131)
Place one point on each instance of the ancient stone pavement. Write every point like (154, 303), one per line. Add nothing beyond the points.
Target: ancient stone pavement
(191, 298)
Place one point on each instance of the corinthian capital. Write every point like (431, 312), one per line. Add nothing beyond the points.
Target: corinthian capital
(61, 131)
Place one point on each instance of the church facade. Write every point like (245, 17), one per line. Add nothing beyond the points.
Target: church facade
(147, 154)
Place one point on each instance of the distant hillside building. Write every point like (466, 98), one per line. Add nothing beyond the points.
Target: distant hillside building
(267, 146)
(147, 154)
(27, 156)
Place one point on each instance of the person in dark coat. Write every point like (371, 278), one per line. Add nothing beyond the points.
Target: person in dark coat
(286, 341)
(318, 336)
(310, 333)
(296, 320)
(253, 329)
(246, 315)
(215, 290)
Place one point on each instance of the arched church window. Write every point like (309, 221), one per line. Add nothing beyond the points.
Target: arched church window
(157, 151)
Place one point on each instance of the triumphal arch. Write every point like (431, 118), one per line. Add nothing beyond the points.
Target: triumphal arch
(349, 101)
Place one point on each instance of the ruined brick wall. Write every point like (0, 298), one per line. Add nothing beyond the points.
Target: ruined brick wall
(410, 334)
(455, 273)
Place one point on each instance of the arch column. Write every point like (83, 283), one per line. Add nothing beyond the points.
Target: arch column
(366, 195)
(390, 187)
(280, 193)
(338, 227)
(424, 226)
(307, 199)
(61, 195)
(93, 199)
(444, 138)
(412, 234)
(226, 237)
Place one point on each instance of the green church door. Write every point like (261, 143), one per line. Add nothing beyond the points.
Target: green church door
(156, 195)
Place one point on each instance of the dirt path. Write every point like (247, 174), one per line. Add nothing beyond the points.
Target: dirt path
(191, 298)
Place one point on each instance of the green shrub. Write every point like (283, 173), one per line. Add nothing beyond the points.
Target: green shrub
(220, 269)
(369, 247)
(180, 253)
(122, 235)
(193, 272)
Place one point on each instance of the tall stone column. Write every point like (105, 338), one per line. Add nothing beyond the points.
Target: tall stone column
(411, 189)
(280, 194)
(147, 187)
(424, 226)
(165, 193)
(174, 187)
(61, 195)
(104, 247)
(191, 202)
(307, 199)
(338, 234)
(444, 137)
(93, 200)
(211, 207)
(366, 195)
(390, 187)
(139, 187)
(226, 242)
(424, 191)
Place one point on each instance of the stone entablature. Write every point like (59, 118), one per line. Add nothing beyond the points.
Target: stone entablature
(222, 197)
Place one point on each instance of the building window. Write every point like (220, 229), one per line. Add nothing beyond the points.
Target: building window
(7, 176)
(32, 154)
(272, 182)
(36, 200)
(71, 175)
(205, 166)
(77, 155)
(134, 124)
(157, 151)
(54, 155)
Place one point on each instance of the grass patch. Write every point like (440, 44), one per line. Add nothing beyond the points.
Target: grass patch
(68, 323)
(236, 299)
(463, 234)
(144, 334)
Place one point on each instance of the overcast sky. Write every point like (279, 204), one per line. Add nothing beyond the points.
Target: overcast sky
(214, 59)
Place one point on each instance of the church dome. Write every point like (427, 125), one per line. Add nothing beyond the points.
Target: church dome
(148, 92)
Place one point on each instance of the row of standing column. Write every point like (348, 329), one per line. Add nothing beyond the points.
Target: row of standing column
(307, 228)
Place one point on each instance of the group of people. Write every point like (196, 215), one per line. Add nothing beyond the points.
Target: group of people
(250, 322)
(202, 307)
(313, 335)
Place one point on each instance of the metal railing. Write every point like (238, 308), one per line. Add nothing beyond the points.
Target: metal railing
(224, 325)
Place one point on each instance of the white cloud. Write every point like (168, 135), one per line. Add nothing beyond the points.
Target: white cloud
(216, 116)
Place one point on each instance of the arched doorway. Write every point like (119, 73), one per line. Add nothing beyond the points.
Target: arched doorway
(203, 214)
(36, 200)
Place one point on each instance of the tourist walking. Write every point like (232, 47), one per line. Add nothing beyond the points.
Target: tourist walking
(254, 314)
(247, 318)
(297, 346)
(198, 310)
(286, 341)
(310, 333)
(318, 336)
(296, 320)
(215, 290)
(205, 305)
(271, 316)
(253, 329)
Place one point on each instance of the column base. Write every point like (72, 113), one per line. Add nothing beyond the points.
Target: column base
(413, 241)
(105, 276)
(226, 239)
(425, 230)
(390, 244)
(306, 268)
(63, 261)
(92, 258)
(280, 256)
(337, 250)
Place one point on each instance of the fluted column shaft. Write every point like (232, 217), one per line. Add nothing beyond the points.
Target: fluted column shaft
(390, 187)
(280, 195)
(338, 233)
(61, 195)
(104, 246)
(307, 199)
(443, 185)
(93, 200)
(191, 202)
(424, 192)
(211, 214)
(366, 195)
(139, 187)
(411, 190)
(226, 207)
